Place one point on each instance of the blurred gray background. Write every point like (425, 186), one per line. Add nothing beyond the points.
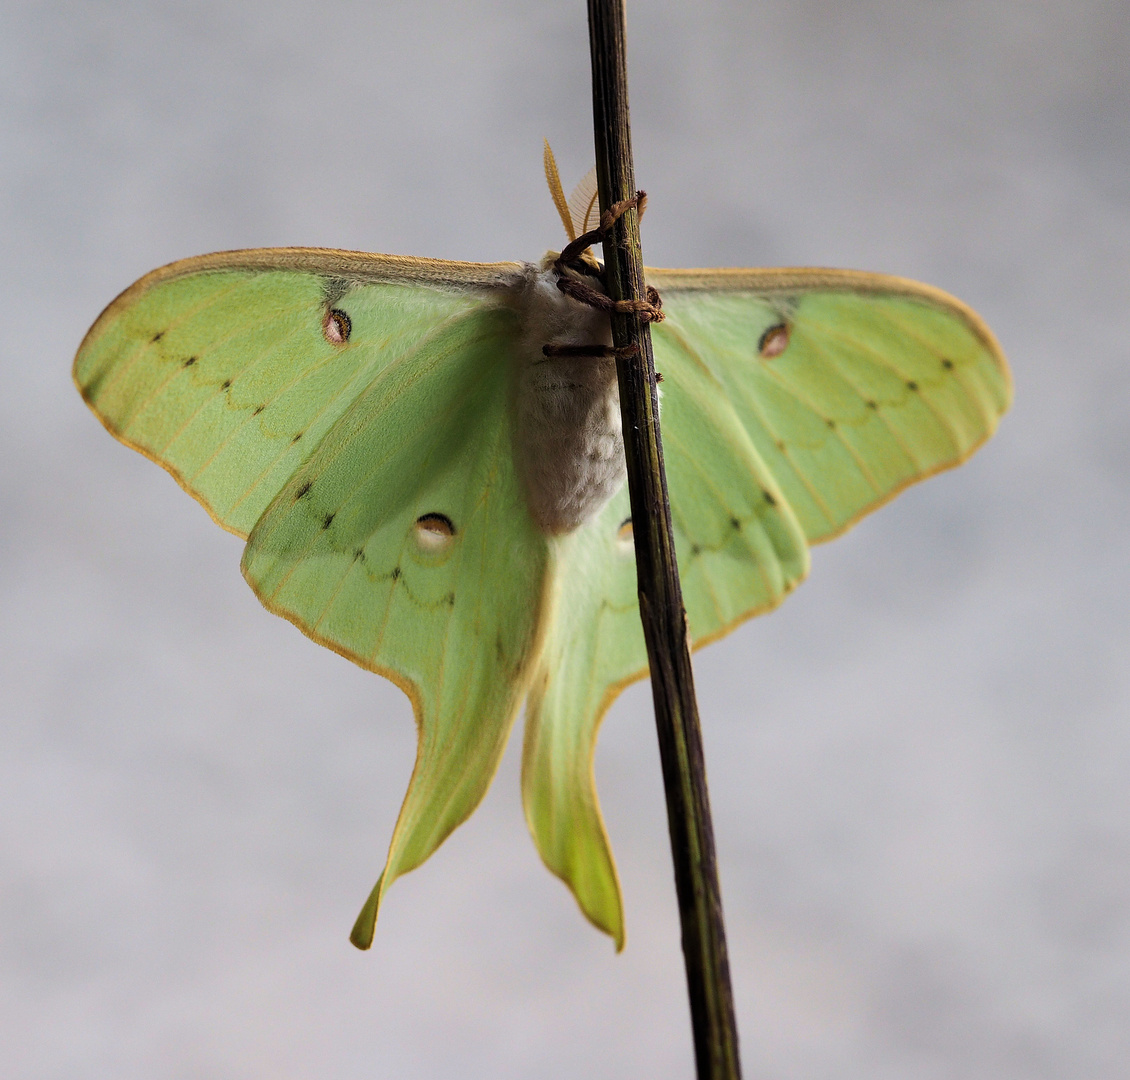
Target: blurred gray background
(920, 766)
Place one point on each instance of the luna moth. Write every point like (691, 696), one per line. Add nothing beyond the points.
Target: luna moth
(430, 491)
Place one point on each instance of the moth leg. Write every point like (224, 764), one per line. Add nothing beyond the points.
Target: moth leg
(568, 270)
(596, 352)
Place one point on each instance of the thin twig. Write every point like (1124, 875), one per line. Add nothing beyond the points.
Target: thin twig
(661, 600)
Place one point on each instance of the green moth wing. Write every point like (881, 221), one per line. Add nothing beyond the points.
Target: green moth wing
(593, 647)
(740, 551)
(351, 412)
(405, 543)
(850, 385)
(219, 367)
(869, 383)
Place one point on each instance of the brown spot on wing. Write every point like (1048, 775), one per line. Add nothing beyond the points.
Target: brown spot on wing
(774, 341)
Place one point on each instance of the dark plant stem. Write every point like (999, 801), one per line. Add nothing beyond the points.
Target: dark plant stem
(661, 599)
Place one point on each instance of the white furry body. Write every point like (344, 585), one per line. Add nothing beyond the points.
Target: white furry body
(569, 444)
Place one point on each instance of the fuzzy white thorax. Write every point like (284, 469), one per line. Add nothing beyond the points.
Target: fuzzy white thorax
(569, 443)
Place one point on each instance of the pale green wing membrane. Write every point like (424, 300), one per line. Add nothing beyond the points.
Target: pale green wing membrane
(220, 368)
(394, 529)
(405, 543)
(793, 402)
(740, 551)
(593, 647)
(850, 385)
(740, 547)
